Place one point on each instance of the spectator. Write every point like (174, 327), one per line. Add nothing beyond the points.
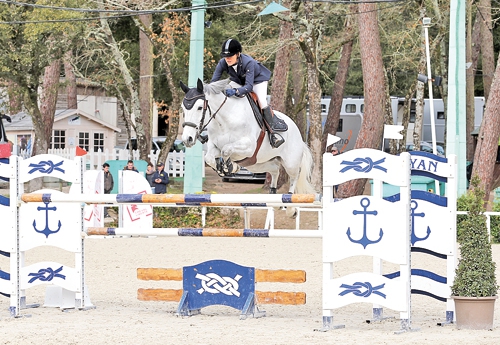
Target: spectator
(149, 173)
(160, 179)
(130, 166)
(108, 183)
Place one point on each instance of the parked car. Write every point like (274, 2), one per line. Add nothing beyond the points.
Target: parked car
(246, 175)
(156, 143)
(427, 147)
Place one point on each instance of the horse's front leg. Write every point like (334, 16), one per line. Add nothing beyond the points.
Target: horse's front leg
(241, 149)
(210, 156)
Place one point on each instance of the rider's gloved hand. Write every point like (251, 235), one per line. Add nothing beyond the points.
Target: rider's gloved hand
(230, 92)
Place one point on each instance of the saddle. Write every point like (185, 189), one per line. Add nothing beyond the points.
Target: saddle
(253, 100)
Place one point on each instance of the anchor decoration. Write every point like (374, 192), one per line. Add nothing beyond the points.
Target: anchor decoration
(414, 237)
(364, 241)
(362, 289)
(46, 167)
(363, 165)
(47, 230)
(214, 284)
(46, 274)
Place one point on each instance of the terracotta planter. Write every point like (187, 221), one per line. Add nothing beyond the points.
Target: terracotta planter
(474, 312)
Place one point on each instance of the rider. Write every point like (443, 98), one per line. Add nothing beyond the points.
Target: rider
(250, 75)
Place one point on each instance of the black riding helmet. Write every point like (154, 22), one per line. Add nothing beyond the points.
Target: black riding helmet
(230, 47)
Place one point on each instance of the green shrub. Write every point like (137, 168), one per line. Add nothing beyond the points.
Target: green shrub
(475, 274)
(495, 223)
(190, 217)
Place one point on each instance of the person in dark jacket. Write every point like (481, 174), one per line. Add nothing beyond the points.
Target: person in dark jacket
(149, 173)
(160, 179)
(249, 75)
(130, 166)
(108, 183)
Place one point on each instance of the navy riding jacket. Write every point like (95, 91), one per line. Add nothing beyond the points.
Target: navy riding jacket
(248, 73)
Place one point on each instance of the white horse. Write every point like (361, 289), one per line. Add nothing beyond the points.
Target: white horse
(233, 134)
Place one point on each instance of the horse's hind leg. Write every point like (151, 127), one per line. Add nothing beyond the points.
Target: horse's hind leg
(274, 181)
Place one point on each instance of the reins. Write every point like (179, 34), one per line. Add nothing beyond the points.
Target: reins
(201, 127)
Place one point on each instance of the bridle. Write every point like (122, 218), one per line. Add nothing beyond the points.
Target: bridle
(189, 103)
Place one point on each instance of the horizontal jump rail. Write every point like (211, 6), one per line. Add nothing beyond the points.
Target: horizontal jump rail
(203, 232)
(263, 297)
(268, 276)
(181, 199)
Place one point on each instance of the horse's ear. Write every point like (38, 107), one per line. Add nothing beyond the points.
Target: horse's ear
(199, 86)
(184, 87)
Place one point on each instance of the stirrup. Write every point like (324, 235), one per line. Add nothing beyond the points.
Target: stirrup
(276, 140)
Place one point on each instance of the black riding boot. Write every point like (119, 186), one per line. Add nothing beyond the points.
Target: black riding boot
(277, 124)
(274, 124)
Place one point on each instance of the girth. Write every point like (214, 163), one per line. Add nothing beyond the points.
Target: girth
(253, 100)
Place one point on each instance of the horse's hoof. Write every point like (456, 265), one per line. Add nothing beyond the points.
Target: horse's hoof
(272, 190)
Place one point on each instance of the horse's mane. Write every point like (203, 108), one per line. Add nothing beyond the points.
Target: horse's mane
(216, 86)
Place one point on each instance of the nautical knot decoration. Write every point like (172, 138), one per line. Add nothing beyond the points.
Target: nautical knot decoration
(46, 167)
(46, 274)
(214, 283)
(358, 287)
(363, 165)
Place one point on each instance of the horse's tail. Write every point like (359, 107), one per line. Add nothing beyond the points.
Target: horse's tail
(304, 185)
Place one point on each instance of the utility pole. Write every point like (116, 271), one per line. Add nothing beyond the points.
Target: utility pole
(193, 180)
(456, 134)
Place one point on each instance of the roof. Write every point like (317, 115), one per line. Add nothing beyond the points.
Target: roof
(22, 121)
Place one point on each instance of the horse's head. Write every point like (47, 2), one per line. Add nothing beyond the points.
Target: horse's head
(194, 107)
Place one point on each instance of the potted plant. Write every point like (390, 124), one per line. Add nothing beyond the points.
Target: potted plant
(475, 288)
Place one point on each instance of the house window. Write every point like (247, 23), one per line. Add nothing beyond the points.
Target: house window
(83, 140)
(58, 139)
(98, 142)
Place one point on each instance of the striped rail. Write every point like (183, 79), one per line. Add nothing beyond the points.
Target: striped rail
(263, 297)
(203, 232)
(260, 200)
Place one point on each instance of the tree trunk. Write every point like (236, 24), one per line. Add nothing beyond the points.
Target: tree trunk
(487, 143)
(173, 111)
(487, 51)
(135, 109)
(146, 85)
(469, 87)
(419, 106)
(278, 90)
(309, 43)
(70, 81)
(281, 68)
(370, 135)
(48, 101)
(335, 107)
(15, 104)
(298, 91)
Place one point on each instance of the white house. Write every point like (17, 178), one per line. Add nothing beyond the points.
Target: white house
(72, 127)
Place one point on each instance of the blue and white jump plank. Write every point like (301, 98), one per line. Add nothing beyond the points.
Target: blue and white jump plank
(203, 232)
(366, 226)
(178, 199)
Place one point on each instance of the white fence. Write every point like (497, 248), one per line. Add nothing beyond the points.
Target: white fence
(94, 160)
